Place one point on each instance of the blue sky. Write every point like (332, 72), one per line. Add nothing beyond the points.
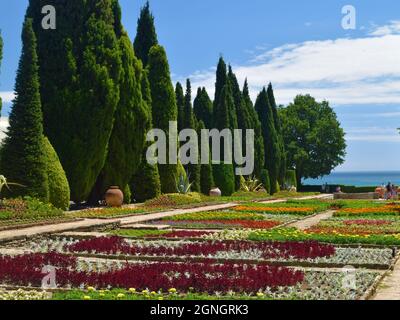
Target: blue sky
(299, 46)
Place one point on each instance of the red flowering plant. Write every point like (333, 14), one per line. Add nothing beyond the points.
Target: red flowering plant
(270, 250)
(204, 277)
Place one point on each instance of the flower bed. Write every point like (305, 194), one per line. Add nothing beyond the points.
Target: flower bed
(357, 227)
(303, 211)
(181, 234)
(223, 224)
(204, 277)
(216, 215)
(316, 285)
(267, 250)
(387, 210)
(291, 234)
(27, 209)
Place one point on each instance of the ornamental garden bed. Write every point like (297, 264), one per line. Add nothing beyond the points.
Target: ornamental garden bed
(302, 254)
(228, 219)
(179, 280)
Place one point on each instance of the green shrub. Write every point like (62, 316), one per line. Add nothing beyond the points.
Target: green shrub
(174, 199)
(265, 180)
(127, 194)
(59, 193)
(291, 180)
(27, 209)
(224, 178)
(146, 184)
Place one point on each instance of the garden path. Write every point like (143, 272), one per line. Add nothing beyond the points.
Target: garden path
(389, 289)
(311, 221)
(15, 234)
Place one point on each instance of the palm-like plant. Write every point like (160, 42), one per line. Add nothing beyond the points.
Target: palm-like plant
(183, 184)
(250, 184)
(5, 183)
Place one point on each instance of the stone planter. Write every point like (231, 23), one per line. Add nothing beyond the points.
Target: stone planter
(114, 197)
(216, 192)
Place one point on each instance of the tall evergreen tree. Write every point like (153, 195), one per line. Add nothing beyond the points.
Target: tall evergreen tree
(259, 154)
(146, 36)
(206, 172)
(271, 141)
(23, 157)
(127, 140)
(164, 108)
(189, 122)
(180, 102)
(224, 118)
(80, 70)
(203, 107)
(244, 120)
(224, 175)
(278, 127)
(145, 184)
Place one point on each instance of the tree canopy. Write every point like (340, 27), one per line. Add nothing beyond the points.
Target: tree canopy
(23, 159)
(146, 36)
(314, 139)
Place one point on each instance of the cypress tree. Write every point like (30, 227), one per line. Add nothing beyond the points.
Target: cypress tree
(244, 120)
(23, 157)
(127, 140)
(180, 102)
(259, 155)
(203, 108)
(278, 127)
(146, 36)
(224, 175)
(80, 69)
(164, 108)
(224, 118)
(271, 141)
(59, 193)
(145, 184)
(194, 170)
(206, 172)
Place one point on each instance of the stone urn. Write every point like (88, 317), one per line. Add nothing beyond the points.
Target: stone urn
(114, 197)
(215, 192)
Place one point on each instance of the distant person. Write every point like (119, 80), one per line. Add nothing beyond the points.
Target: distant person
(393, 191)
(338, 189)
(388, 195)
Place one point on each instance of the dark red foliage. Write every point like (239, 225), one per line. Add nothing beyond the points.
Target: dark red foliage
(27, 269)
(270, 250)
(204, 277)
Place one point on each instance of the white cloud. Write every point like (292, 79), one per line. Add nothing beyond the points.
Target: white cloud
(372, 134)
(392, 28)
(344, 71)
(7, 96)
(3, 127)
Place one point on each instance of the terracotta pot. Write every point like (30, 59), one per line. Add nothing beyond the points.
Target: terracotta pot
(114, 197)
(216, 192)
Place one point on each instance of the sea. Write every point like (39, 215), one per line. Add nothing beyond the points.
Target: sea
(358, 179)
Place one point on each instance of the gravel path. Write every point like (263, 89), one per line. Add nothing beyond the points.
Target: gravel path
(312, 221)
(389, 289)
